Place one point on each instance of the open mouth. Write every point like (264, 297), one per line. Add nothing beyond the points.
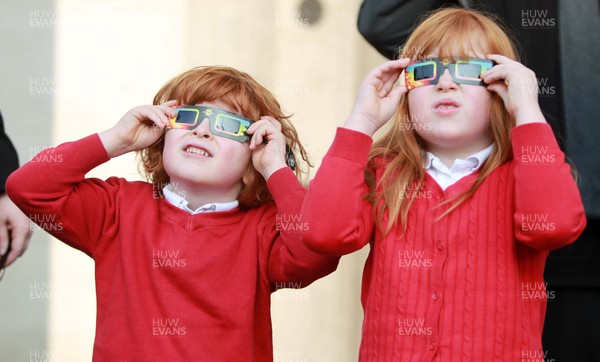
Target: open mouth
(198, 151)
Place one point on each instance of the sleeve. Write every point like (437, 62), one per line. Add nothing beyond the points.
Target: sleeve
(549, 212)
(387, 24)
(337, 214)
(291, 264)
(8, 157)
(52, 191)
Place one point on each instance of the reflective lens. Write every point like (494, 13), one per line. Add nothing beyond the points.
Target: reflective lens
(222, 123)
(463, 71)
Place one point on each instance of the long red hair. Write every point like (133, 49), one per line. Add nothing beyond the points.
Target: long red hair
(400, 149)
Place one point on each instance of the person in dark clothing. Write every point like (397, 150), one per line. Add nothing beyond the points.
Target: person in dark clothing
(559, 42)
(15, 228)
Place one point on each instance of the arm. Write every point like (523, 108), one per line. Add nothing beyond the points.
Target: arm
(338, 216)
(386, 24)
(548, 208)
(291, 263)
(14, 225)
(549, 213)
(52, 190)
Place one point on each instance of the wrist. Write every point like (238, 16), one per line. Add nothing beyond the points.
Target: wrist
(112, 144)
(529, 114)
(268, 171)
(360, 124)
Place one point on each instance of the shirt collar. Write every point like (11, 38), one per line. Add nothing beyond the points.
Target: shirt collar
(474, 161)
(180, 201)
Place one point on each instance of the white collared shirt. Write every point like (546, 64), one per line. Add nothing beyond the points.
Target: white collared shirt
(180, 201)
(445, 176)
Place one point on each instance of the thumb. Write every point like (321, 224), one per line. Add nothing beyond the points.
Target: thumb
(396, 93)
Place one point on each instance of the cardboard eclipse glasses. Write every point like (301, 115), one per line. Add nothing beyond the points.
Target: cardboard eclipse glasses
(463, 71)
(222, 123)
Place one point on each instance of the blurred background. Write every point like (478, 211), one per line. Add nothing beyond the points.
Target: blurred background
(72, 68)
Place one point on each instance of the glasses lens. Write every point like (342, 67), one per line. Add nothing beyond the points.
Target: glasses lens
(230, 125)
(425, 71)
(186, 118)
(471, 71)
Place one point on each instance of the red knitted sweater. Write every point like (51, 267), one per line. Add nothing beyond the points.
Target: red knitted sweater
(468, 287)
(170, 286)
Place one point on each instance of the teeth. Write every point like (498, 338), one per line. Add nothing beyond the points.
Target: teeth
(447, 106)
(197, 151)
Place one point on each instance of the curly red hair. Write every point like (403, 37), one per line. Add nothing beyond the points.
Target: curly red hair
(242, 94)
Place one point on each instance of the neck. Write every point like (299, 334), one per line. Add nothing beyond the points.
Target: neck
(198, 195)
(449, 154)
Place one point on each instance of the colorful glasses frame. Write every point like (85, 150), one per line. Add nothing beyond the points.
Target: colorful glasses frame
(462, 71)
(222, 123)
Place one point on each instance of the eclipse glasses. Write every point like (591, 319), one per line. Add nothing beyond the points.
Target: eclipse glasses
(463, 71)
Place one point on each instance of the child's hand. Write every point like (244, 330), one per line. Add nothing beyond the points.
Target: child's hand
(139, 128)
(267, 145)
(377, 98)
(517, 86)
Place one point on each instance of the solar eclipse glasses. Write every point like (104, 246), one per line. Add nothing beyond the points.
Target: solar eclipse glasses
(463, 71)
(222, 123)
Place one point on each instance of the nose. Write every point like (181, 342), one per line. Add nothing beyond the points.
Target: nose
(446, 82)
(203, 129)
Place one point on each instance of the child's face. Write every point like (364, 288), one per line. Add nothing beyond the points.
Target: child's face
(198, 161)
(452, 116)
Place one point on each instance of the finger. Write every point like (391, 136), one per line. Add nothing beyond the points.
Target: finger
(158, 117)
(495, 75)
(500, 59)
(259, 136)
(254, 126)
(169, 113)
(273, 121)
(3, 238)
(20, 241)
(499, 88)
(170, 103)
(394, 73)
(396, 93)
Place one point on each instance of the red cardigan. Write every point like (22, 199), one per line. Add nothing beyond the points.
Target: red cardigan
(170, 286)
(469, 287)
